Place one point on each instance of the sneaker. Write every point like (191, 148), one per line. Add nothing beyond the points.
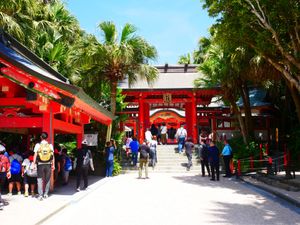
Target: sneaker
(45, 196)
(40, 198)
(78, 189)
(19, 192)
(26, 194)
(9, 194)
(32, 194)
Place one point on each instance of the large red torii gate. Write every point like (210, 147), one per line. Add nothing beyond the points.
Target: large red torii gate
(173, 89)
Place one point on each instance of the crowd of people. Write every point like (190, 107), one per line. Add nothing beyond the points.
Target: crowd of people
(30, 171)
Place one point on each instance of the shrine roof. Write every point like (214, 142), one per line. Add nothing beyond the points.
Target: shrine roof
(170, 77)
(19, 56)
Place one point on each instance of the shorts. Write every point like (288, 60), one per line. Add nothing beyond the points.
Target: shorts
(15, 178)
(30, 180)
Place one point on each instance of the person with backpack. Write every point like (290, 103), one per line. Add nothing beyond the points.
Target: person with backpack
(29, 173)
(83, 162)
(66, 166)
(44, 160)
(4, 171)
(109, 158)
(15, 171)
(144, 156)
(203, 153)
(189, 146)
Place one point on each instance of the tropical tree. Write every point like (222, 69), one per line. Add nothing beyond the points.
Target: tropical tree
(114, 58)
(270, 28)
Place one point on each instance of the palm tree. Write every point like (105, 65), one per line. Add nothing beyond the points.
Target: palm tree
(116, 57)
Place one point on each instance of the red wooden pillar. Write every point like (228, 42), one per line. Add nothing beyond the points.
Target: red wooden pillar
(48, 125)
(79, 137)
(194, 119)
(146, 116)
(141, 120)
(187, 118)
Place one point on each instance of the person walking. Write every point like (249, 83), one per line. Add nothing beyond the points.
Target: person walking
(181, 136)
(214, 161)
(227, 155)
(163, 133)
(44, 160)
(4, 171)
(153, 152)
(144, 156)
(189, 146)
(109, 158)
(29, 173)
(66, 166)
(134, 146)
(148, 135)
(203, 153)
(16, 171)
(83, 162)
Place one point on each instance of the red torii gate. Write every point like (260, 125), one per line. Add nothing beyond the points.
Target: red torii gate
(35, 98)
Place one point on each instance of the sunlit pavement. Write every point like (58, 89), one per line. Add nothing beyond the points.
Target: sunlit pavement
(173, 199)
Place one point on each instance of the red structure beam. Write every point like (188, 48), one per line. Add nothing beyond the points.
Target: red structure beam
(21, 122)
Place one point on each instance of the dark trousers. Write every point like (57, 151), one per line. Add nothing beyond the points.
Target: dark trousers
(82, 172)
(43, 178)
(109, 168)
(204, 163)
(189, 156)
(134, 158)
(227, 159)
(215, 170)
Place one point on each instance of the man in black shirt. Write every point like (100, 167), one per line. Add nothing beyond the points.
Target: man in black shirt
(144, 156)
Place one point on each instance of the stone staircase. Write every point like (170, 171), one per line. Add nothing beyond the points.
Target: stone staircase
(169, 161)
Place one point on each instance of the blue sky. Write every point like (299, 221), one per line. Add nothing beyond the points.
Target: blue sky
(172, 26)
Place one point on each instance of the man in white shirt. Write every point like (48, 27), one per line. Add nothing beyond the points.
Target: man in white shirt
(163, 132)
(148, 135)
(44, 160)
(181, 136)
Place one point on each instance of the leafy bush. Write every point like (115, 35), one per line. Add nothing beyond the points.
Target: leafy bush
(117, 167)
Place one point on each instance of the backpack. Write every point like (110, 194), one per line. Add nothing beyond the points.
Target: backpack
(86, 159)
(3, 164)
(44, 153)
(32, 170)
(15, 167)
(68, 164)
(144, 153)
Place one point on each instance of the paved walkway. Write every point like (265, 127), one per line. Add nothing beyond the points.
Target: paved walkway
(164, 199)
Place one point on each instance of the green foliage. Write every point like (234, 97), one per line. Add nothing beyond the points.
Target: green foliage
(117, 167)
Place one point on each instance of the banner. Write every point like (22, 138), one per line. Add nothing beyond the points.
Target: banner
(92, 139)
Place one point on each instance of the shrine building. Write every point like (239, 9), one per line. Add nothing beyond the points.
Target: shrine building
(35, 98)
(173, 99)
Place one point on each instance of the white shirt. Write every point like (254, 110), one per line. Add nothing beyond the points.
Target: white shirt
(148, 135)
(163, 129)
(181, 132)
(37, 146)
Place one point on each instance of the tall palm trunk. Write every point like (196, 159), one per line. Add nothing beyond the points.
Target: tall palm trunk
(113, 89)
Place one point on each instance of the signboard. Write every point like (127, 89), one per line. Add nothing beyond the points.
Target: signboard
(92, 139)
(167, 98)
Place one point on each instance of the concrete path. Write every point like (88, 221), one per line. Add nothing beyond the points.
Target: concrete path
(171, 199)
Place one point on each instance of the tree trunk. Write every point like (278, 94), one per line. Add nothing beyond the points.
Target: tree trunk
(247, 110)
(237, 112)
(296, 98)
(113, 97)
